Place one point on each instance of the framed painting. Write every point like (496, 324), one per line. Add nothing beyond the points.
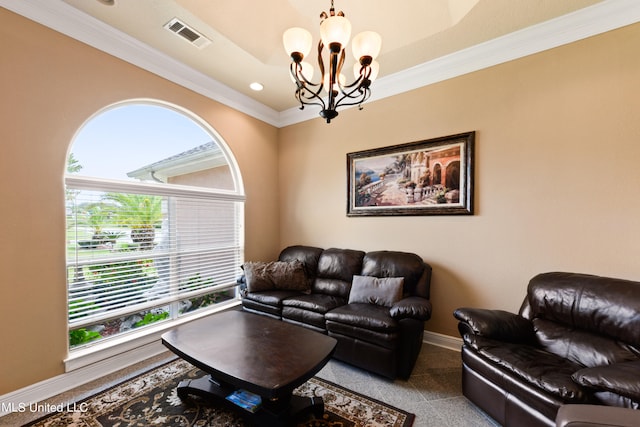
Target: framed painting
(430, 177)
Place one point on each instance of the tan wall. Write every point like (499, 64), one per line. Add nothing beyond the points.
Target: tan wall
(50, 86)
(556, 183)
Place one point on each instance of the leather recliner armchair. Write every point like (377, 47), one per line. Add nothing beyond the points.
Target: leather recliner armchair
(575, 340)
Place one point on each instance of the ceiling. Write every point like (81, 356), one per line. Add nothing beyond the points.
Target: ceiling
(246, 37)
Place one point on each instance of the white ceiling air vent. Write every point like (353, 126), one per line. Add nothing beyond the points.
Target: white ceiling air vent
(189, 34)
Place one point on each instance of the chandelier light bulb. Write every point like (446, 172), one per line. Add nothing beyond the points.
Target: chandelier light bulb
(297, 40)
(335, 30)
(366, 43)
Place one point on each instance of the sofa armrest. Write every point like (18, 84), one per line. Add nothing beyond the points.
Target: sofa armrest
(596, 415)
(411, 307)
(495, 324)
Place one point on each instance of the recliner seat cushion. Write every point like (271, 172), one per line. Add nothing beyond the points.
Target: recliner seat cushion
(364, 322)
(619, 378)
(273, 298)
(269, 302)
(362, 315)
(357, 334)
(318, 303)
(546, 371)
(304, 317)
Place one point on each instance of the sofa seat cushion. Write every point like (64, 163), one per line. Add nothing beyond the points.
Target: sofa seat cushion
(362, 336)
(619, 378)
(304, 317)
(364, 315)
(545, 370)
(318, 303)
(272, 298)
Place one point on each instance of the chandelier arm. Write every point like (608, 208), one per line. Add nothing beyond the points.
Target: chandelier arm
(304, 93)
(339, 67)
(365, 93)
(361, 82)
(356, 85)
(304, 100)
(308, 97)
(361, 86)
(296, 72)
(333, 80)
(321, 64)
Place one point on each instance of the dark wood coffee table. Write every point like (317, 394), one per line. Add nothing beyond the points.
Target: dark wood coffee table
(264, 356)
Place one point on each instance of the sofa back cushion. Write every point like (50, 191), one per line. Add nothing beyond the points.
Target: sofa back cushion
(308, 255)
(590, 319)
(586, 348)
(336, 268)
(416, 273)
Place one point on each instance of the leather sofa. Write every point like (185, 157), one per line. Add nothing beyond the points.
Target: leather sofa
(375, 304)
(575, 340)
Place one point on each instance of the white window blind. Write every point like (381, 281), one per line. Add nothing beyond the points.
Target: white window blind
(138, 246)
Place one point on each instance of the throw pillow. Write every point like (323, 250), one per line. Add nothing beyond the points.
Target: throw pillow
(384, 291)
(265, 276)
(620, 378)
(256, 276)
(290, 276)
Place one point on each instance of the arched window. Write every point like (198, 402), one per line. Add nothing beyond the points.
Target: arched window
(155, 211)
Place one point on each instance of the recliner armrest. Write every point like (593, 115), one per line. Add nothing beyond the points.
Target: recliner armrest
(411, 307)
(495, 324)
(596, 415)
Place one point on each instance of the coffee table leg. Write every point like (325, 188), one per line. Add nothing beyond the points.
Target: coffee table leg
(302, 407)
(279, 412)
(203, 387)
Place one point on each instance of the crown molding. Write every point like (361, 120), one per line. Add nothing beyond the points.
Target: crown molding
(65, 19)
(593, 20)
(597, 19)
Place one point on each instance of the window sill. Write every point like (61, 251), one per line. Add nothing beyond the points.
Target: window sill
(120, 346)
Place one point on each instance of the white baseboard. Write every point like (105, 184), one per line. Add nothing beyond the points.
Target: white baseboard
(445, 341)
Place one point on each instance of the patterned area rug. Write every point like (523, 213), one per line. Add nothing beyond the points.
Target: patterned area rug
(150, 399)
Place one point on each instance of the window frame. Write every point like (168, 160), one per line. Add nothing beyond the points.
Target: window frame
(149, 335)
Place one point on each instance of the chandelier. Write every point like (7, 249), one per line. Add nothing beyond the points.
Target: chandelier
(335, 31)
